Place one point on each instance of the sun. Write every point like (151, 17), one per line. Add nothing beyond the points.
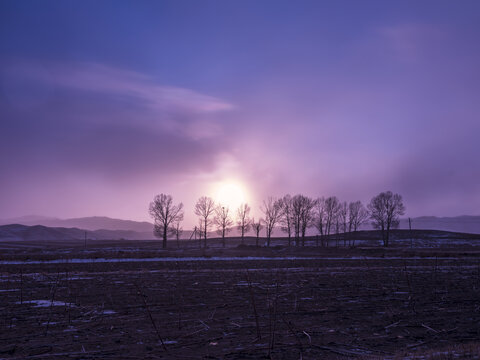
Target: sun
(230, 194)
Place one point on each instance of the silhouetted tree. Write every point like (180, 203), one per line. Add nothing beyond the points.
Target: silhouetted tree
(272, 210)
(286, 216)
(297, 204)
(320, 216)
(306, 216)
(243, 220)
(164, 213)
(343, 220)
(302, 216)
(331, 212)
(357, 215)
(223, 221)
(385, 211)
(337, 227)
(204, 208)
(257, 227)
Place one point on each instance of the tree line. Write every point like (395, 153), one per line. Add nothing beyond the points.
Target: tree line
(293, 214)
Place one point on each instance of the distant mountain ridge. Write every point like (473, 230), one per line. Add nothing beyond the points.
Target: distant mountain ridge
(91, 223)
(40, 232)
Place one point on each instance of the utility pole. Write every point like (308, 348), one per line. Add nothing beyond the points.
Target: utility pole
(194, 234)
(85, 240)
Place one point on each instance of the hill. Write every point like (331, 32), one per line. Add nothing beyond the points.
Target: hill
(88, 223)
(40, 232)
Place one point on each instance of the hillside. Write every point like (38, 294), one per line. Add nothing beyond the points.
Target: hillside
(88, 223)
(40, 232)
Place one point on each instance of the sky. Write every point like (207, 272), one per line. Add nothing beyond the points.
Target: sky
(104, 104)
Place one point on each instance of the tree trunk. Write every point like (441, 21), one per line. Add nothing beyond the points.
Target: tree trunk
(164, 243)
(205, 234)
(388, 234)
(383, 236)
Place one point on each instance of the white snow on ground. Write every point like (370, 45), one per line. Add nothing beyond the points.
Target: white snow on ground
(45, 303)
(108, 312)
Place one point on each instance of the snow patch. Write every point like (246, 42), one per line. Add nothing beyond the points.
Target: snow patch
(45, 303)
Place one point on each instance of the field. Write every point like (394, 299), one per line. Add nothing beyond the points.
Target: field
(132, 300)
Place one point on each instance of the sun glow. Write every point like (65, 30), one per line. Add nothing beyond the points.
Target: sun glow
(230, 194)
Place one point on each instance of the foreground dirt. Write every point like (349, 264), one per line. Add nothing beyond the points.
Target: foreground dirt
(327, 307)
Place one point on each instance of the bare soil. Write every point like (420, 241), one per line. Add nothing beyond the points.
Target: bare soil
(338, 303)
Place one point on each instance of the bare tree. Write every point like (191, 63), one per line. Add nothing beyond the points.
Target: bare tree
(286, 216)
(164, 213)
(320, 216)
(385, 211)
(272, 209)
(243, 220)
(177, 230)
(343, 220)
(331, 212)
(337, 227)
(306, 215)
(223, 221)
(357, 215)
(205, 208)
(257, 227)
(297, 206)
(302, 216)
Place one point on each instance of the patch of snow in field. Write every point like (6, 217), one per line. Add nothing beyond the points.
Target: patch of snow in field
(80, 278)
(109, 312)
(9, 290)
(169, 342)
(45, 303)
(244, 283)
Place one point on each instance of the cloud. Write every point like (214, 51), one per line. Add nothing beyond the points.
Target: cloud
(96, 118)
(110, 80)
(175, 108)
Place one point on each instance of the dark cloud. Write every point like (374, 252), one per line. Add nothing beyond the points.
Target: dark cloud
(110, 124)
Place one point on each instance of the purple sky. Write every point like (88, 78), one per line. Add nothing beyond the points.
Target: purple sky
(105, 104)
